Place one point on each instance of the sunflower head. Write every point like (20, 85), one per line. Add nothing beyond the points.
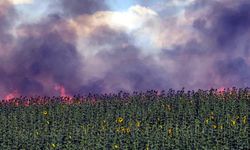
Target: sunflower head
(119, 120)
(45, 113)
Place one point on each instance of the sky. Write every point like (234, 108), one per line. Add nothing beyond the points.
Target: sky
(55, 47)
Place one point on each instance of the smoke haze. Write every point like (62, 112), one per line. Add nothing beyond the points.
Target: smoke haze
(85, 46)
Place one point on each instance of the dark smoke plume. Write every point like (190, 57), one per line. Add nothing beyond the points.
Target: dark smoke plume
(44, 58)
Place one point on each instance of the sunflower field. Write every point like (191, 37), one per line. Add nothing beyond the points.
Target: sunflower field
(139, 120)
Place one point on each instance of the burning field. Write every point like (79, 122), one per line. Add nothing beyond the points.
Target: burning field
(58, 58)
(52, 47)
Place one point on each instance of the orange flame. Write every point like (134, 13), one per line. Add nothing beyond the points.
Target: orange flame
(63, 93)
(11, 95)
(223, 90)
(61, 89)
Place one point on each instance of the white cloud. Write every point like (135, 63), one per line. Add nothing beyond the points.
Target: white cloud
(18, 2)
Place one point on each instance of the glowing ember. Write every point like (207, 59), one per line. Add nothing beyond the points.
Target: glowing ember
(221, 90)
(16, 104)
(27, 103)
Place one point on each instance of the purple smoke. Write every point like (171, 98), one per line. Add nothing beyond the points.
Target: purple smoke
(47, 53)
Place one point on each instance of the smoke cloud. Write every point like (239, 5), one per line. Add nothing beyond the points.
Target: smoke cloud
(82, 48)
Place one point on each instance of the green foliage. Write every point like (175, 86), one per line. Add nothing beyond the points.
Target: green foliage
(177, 120)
